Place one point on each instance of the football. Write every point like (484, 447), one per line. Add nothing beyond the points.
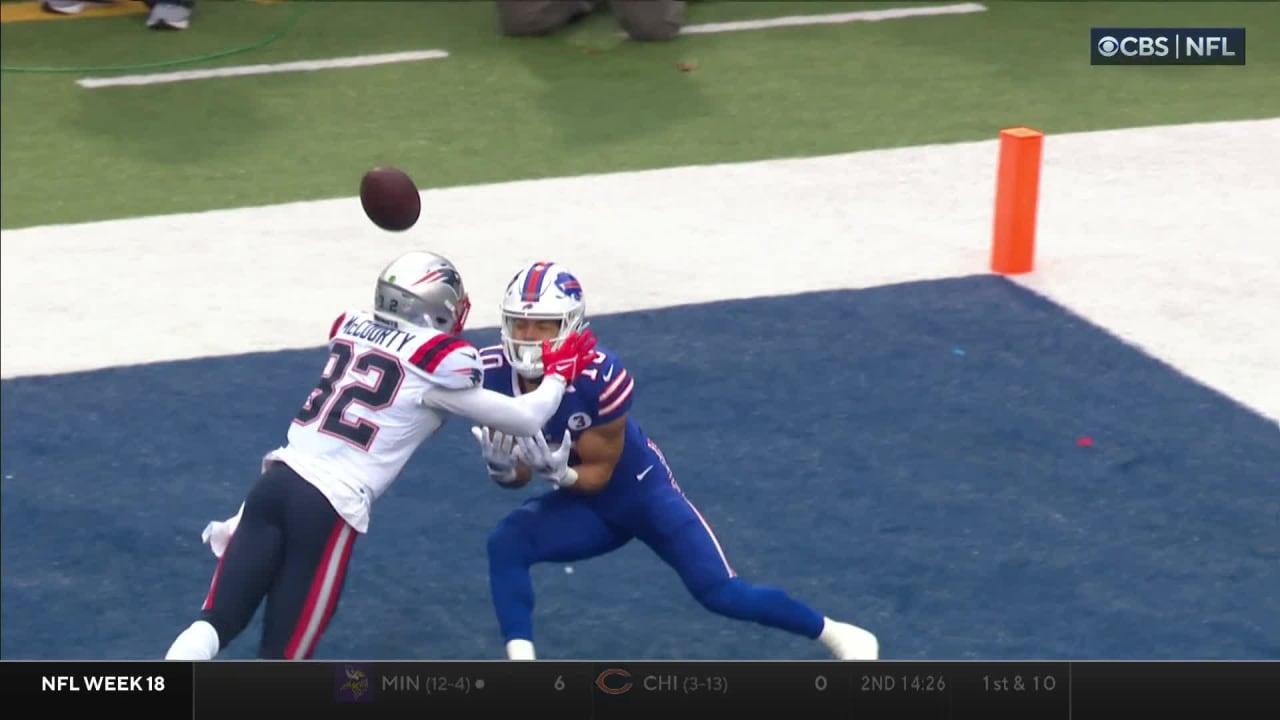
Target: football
(390, 199)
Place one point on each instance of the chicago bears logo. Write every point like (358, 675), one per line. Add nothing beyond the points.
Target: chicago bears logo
(607, 684)
(568, 285)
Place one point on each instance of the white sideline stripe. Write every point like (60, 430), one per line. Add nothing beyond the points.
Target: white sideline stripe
(1121, 213)
(834, 18)
(241, 70)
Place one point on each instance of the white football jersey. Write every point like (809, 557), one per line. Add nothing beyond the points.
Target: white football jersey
(370, 411)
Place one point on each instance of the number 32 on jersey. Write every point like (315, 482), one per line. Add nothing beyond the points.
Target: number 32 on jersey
(382, 375)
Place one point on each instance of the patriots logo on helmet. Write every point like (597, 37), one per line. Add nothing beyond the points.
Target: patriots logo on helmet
(569, 285)
(448, 276)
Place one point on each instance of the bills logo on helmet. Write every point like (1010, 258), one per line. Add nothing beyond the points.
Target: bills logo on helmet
(569, 285)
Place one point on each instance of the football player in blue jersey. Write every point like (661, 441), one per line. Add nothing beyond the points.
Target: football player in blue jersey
(611, 482)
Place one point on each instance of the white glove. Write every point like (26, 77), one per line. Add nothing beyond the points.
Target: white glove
(217, 534)
(550, 464)
(498, 450)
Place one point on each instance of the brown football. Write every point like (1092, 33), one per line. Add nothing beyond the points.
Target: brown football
(390, 199)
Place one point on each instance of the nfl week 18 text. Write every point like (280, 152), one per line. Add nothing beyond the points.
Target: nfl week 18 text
(102, 683)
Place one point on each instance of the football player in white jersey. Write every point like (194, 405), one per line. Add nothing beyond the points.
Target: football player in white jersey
(393, 376)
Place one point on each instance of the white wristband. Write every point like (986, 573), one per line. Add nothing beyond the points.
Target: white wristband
(570, 477)
(502, 476)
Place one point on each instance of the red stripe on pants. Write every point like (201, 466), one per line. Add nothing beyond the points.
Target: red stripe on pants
(322, 598)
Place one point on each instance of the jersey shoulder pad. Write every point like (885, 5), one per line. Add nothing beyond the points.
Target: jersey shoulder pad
(338, 322)
(609, 383)
(448, 361)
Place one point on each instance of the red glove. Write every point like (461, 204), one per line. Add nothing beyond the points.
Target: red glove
(574, 355)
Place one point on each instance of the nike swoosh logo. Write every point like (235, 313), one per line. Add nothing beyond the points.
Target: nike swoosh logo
(609, 375)
(644, 472)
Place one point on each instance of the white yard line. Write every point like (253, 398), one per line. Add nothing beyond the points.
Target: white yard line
(242, 70)
(418, 55)
(835, 18)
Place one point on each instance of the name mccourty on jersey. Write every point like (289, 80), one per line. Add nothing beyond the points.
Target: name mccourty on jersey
(377, 333)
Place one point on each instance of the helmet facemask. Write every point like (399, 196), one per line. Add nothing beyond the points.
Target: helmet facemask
(526, 355)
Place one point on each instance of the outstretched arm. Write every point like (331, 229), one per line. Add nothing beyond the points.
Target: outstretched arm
(525, 415)
(521, 416)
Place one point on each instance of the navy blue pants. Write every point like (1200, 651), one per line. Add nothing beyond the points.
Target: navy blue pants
(291, 549)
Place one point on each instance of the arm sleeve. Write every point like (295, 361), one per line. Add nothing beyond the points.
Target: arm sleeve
(615, 388)
(522, 416)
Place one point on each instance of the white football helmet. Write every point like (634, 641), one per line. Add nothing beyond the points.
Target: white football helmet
(542, 291)
(422, 289)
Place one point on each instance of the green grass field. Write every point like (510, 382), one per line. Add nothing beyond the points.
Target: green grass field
(584, 101)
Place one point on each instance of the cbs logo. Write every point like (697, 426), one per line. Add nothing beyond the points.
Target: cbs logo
(614, 681)
(1108, 46)
(1131, 46)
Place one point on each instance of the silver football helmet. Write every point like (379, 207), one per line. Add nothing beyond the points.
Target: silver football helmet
(422, 289)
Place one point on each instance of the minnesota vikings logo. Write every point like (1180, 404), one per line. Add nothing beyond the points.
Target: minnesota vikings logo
(353, 684)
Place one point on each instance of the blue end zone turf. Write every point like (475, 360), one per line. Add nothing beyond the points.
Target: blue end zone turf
(904, 458)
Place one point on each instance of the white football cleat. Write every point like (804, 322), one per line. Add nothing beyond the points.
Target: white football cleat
(520, 650)
(849, 642)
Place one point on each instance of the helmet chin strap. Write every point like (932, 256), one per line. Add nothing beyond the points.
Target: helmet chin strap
(529, 358)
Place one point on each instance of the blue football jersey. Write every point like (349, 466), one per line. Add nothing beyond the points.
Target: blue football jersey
(601, 394)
